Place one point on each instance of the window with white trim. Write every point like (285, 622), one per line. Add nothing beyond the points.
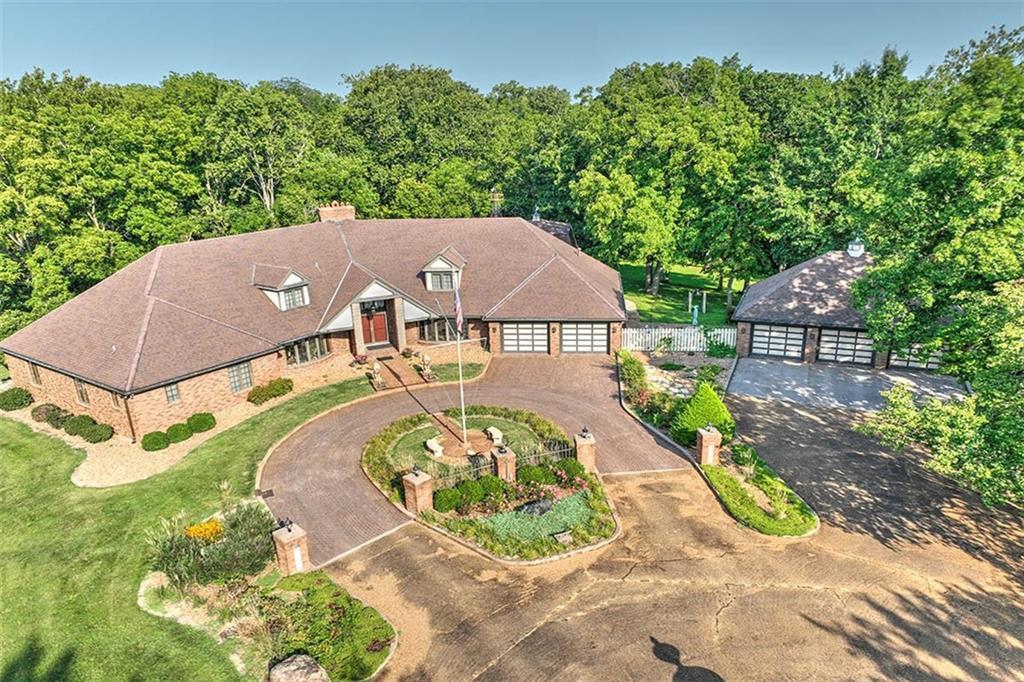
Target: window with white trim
(81, 392)
(172, 393)
(33, 373)
(240, 377)
(307, 350)
(293, 298)
(441, 281)
(436, 330)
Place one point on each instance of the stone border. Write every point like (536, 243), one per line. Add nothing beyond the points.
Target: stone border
(690, 458)
(480, 550)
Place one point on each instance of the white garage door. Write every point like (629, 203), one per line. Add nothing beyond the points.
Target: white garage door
(524, 337)
(845, 345)
(777, 341)
(911, 361)
(584, 338)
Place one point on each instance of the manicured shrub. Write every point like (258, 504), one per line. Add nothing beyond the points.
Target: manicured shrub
(201, 421)
(15, 399)
(705, 407)
(447, 499)
(57, 418)
(494, 487)
(632, 371)
(471, 493)
(570, 467)
(76, 425)
(97, 433)
(157, 440)
(41, 413)
(536, 474)
(272, 389)
(178, 432)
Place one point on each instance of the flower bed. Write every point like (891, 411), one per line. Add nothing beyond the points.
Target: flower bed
(214, 575)
(579, 512)
(780, 511)
(488, 511)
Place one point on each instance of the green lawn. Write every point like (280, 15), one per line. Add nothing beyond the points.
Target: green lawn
(409, 448)
(449, 371)
(71, 559)
(4, 373)
(670, 303)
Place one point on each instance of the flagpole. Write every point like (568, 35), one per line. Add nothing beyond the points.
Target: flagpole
(458, 353)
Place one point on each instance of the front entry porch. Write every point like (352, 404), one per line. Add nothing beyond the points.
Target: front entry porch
(378, 324)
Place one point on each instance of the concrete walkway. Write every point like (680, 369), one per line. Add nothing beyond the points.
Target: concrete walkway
(317, 481)
(832, 385)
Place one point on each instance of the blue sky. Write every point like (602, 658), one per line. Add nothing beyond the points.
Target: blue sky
(569, 44)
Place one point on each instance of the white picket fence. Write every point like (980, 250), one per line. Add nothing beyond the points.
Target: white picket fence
(684, 339)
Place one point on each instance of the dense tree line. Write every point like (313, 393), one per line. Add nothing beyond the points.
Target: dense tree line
(742, 171)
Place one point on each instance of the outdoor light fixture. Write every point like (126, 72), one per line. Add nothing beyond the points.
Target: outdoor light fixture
(585, 431)
(416, 469)
(285, 523)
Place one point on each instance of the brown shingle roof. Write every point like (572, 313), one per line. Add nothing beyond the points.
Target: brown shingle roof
(186, 308)
(817, 292)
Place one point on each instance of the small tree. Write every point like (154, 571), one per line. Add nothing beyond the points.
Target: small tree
(705, 407)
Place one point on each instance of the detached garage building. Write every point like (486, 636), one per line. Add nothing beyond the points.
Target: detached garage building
(806, 314)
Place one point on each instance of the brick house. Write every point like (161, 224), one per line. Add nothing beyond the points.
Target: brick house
(806, 313)
(191, 327)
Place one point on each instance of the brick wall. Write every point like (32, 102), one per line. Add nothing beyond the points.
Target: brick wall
(615, 340)
(743, 339)
(59, 389)
(554, 338)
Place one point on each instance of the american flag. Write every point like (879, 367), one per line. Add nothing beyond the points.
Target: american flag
(458, 312)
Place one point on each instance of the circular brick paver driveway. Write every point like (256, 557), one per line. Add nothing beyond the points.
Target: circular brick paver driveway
(317, 481)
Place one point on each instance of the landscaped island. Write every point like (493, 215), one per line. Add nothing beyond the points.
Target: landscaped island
(553, 505)
(751, 491)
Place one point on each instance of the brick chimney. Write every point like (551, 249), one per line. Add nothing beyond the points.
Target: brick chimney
(336, 211)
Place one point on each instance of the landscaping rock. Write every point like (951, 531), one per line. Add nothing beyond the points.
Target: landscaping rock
(537, 507)
(298, 668)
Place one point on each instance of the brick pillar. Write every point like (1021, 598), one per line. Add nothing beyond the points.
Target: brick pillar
(811, 344)
(742, 339)
(880, 360)
(292, 550)
(504, 464)
(419, 492)
(397, 310)
(586, 451)
(358, 344)
(554, 339)
(614, 337)
(494, 337)
(709, 442)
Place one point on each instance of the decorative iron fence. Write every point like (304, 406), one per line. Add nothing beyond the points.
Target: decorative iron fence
(449, 476)
(676, 339)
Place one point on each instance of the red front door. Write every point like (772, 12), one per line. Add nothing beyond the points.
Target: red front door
(375, 322)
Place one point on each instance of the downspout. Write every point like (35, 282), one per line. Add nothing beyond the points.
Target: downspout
(128, 412)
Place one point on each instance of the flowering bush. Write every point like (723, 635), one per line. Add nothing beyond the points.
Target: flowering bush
(207, 531)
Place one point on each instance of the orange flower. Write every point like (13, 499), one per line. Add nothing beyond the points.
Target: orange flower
(207, 531)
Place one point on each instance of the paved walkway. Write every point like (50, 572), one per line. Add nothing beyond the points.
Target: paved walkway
(907, 579)
(316, 477)
(831, 385)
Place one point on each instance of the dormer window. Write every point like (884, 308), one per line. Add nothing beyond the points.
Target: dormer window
(285, 287)
(293, 298)
(441, 281)
(442, 272)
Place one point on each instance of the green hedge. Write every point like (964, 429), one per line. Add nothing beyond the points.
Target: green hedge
(703, 408)
(15, 399)
(446, 500)
(157, 440)
(98, 433)
(74, 426)
(272, 389)
(42, 413)
(793, 516)
(375, 455)
(177, 433)
(632, 371)
(201, 421)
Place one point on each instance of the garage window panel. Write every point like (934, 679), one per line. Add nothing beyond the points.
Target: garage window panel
(845, 345)
(524, 337)
(911, 360)
(584, 337)
(776, 340)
